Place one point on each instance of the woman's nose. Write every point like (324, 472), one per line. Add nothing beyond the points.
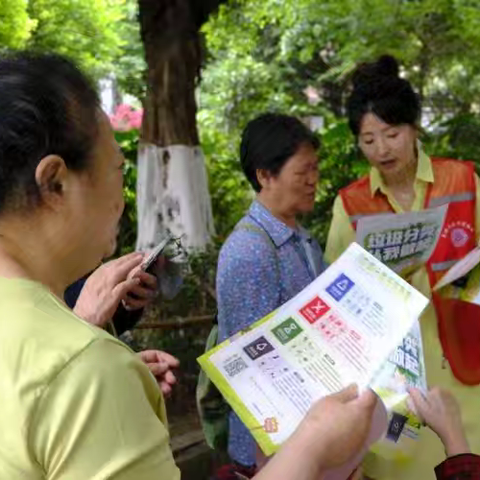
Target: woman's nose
(382, 148)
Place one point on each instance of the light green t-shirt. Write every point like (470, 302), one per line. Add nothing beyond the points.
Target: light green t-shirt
(75, 403)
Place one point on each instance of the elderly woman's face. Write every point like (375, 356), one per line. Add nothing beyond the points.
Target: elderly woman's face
(293, 189)
(100, 202)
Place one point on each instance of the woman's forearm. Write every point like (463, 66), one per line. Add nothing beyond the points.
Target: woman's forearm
(295, 461)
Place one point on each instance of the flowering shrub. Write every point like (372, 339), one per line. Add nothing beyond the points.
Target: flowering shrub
(126, 118)
(126, 122)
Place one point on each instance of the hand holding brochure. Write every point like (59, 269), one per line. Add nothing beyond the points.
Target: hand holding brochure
(339, 330)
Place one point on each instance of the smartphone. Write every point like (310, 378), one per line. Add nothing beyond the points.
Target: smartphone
(148, 263)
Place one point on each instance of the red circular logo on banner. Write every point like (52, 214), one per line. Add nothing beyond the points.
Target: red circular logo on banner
(459, 237)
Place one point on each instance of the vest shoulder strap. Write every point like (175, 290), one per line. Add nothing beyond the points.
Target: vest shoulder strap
(251, 227)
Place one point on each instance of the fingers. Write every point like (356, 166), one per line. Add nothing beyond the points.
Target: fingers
(130, 303)
(127, 258)
(149, 356)
(170, 378)
(437, 391)
(166, 389)
(368, 400)
(143, 293)
(166, 384)
(146, 279)
(162, 372)
(420, 402)
(158, 369)
(347, 394)
(120, 262)
(110, 302)
(172, 361)
(123, 266)
(160, 363)
(439, 395)
(121, 290)
(165, 380)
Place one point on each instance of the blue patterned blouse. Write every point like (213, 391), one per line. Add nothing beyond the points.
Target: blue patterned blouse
(262, 264)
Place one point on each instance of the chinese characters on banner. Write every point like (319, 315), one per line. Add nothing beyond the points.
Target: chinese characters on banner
(402, 241)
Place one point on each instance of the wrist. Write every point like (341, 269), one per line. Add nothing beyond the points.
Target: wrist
(89, 318)
(77, 310)
(312, 448)
(456, 444)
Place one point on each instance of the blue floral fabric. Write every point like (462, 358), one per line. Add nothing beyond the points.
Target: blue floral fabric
(263, 264)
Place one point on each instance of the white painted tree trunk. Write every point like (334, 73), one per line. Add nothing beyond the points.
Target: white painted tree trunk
(172, 193)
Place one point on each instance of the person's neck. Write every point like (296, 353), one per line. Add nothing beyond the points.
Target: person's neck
(271, 205)
(403, 180)
(34, 257)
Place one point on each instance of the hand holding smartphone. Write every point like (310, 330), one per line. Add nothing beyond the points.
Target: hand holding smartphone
(149, 262)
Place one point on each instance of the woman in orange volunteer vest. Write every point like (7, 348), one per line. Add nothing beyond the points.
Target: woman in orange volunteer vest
(384, 112)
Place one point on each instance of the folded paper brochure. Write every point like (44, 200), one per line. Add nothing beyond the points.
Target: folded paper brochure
(341, 329)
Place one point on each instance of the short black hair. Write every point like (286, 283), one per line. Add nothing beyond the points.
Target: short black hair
(378, 88)
(47, 106)
(269, 141)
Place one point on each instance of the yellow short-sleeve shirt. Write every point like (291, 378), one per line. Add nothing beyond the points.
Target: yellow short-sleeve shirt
(430, 450)
(76, 403)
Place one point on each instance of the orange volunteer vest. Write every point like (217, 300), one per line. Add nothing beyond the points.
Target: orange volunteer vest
(458, 321)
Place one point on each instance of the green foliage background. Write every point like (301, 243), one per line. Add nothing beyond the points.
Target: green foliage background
(263, 56)
(91, 32)
(128, 142)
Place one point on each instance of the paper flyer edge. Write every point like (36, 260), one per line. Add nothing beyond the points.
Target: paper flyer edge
(441, 283)
(401, 280)
(262, 438)
(256, 429)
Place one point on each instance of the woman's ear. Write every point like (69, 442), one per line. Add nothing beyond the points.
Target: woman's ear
(263, 177)
(50, 176)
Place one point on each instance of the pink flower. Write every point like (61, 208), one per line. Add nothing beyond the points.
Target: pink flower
(136, 119)
(126, 118)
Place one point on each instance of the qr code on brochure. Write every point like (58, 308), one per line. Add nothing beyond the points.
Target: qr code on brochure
(235, 366)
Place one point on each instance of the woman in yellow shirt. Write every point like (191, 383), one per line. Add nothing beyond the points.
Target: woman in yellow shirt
(76, 403)
(384, 112)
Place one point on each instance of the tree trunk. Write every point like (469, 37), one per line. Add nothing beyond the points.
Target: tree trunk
(172, 187)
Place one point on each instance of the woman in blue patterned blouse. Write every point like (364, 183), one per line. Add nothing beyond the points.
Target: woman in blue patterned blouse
(269, 257)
